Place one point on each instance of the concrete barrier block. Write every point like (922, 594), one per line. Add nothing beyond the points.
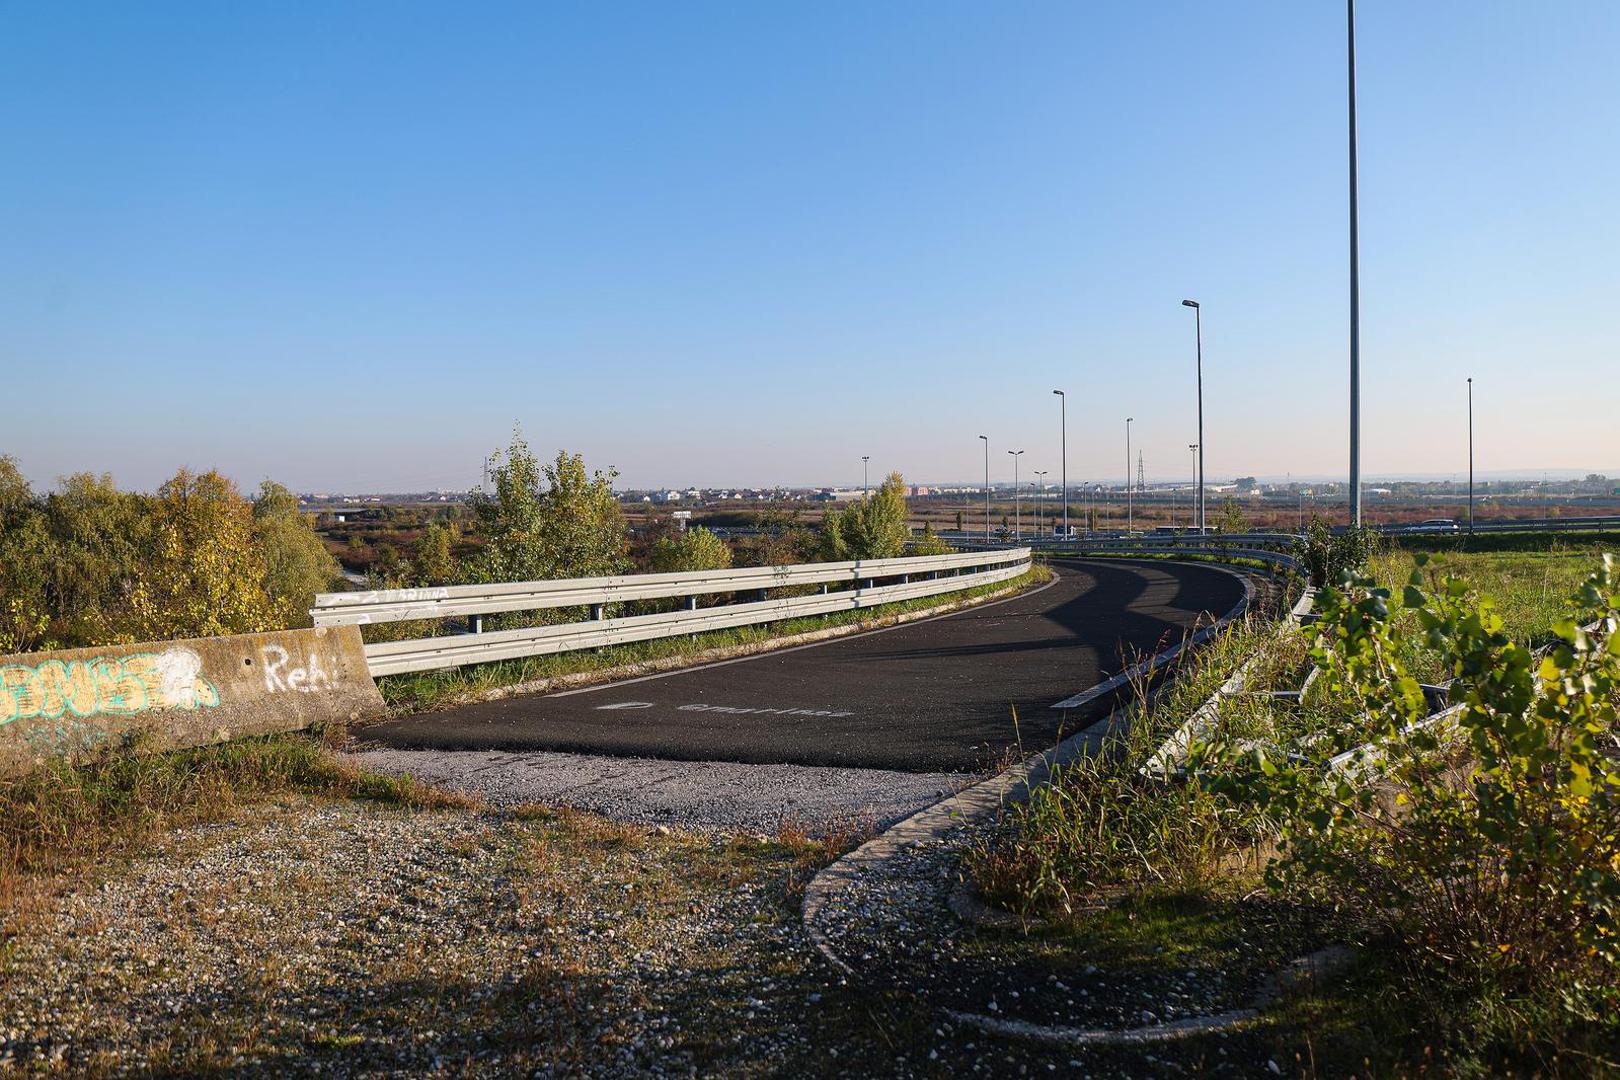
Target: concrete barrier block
(170, 694)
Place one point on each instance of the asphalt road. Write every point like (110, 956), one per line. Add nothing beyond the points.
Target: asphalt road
(930, 696)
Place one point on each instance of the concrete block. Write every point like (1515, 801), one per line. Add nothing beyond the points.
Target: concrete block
(170, 694)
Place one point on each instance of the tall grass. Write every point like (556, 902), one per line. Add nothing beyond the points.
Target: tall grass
(1528, 588)
(65, 817)
(1101, 828)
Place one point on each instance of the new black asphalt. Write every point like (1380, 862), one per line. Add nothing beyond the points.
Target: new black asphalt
(933, 695)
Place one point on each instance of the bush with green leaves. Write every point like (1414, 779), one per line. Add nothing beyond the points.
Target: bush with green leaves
(297, 564)
(558, 520)
(1326, 554)
(874, 528)
(694, 549)
(928, 542)
(1486, 837)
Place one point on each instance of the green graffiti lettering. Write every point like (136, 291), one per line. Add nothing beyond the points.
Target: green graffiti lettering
(117, 686)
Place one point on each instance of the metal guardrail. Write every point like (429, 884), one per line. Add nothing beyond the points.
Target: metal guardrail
(918, 576)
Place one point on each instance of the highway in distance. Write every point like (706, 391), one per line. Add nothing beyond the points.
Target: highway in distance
(933, 695)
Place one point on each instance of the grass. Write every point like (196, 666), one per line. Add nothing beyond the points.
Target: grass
(425, 690)
(1530, 588)
(1100, 829)
(65, 817)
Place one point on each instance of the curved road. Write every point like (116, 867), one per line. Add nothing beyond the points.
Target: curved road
(934, 695)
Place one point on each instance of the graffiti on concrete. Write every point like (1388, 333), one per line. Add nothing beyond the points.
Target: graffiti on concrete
(105, 686)
(279, 675)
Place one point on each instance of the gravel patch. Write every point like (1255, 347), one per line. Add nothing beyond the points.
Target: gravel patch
(717, 795)
(359, 940)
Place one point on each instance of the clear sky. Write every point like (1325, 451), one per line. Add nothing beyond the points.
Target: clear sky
(348, 245)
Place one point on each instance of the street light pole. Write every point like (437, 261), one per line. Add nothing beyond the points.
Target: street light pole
(1018, 524)
(1470, 453)
(864, 459)
(1063, 419)
(1128, 514)
(1355, 289)
(1192, 447)
(986, 439)
(1198, 330)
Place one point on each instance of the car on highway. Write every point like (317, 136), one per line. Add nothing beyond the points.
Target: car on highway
(1434, 525)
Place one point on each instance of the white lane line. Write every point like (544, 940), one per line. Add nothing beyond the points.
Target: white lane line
(1056, 577)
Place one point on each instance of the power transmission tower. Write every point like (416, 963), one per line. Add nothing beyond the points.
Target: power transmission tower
(1141, 481)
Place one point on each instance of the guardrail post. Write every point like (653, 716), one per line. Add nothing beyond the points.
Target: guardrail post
(598, 612)
(478, 624)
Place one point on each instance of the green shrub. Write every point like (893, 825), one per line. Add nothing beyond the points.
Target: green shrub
(695, 549)
(874, 528)
(928, 542)
(1326, 554)
(1488, 840)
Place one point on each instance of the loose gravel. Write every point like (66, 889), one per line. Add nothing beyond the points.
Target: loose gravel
(719, 795)
(359, 940)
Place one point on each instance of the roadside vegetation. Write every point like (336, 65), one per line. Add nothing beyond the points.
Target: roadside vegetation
(1471, 864)
(87, 564)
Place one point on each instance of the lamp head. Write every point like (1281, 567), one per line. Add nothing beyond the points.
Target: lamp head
(1059, 393)
(1189, 303)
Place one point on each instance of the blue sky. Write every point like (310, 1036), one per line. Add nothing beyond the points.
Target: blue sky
(349, 245)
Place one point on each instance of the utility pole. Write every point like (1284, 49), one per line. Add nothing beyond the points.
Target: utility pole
(1018, 528)
(1063, 420)
(864, 459)
(1198, 329)
(986, 439)
(1141, 475)
(1355, 289)
(1040, 503)
(1470, 454)
(1193, 447)
(1129, 518)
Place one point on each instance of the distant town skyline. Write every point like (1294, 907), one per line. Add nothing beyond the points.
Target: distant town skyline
(727, 243)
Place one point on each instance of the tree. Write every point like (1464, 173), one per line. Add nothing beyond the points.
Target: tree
(206, 575)
(101, 539)
(929, 543)
(1231, 519)
(24, 564)
(555, 521)
(297, 564)
(694, 549)
(959, 521)
(433, 562)
(874, 528)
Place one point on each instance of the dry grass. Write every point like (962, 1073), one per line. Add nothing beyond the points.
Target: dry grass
(66, 817)
(813, 848)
